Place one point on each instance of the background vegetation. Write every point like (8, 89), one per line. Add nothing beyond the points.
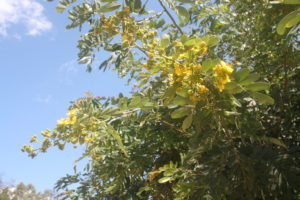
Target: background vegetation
(23, 192)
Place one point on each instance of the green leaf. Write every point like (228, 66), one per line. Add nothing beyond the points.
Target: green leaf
(136, 102)
(179, 100)
(231, 113)
(165, 40)
(211, 40)
(191, 42)
(293, 21)
(288, 21)
(146, 102)
(63, 4)
(184, 38)
(60, 8)
(85, 60)
(183, 13)
(109, 7)
(236, 102)
(182, 92)
(250, 79)
(258, 86)
(241, 74)
(274, 141)
(233, 88)
(137, 5)
(208, 64)
(262, 98)
(170, 172)
(169, 95)
(185, 1)
(180, 112)
(187, 122)
(117, 137)
(110, 188)
(143, 189)
(291, 1)
(165, 179)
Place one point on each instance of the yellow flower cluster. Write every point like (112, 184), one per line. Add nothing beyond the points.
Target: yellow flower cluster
(187, 75)
(222, 72)
(200, 50)
(129, 32)
(123, 14)
(183, 68)
(182, 71)
(70, 120)
(110, 26)
(189, 78)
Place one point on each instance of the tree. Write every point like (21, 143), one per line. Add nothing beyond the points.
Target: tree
(24, 192)
(196, 127)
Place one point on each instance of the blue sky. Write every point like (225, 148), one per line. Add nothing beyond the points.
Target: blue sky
(38, 78)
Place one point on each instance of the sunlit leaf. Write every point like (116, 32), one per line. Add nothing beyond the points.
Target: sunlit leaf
(180, 112)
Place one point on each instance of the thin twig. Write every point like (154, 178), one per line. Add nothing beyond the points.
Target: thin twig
(173, 20)
(176, 128)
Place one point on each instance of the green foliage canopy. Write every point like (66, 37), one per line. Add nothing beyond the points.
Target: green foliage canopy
(195, 127)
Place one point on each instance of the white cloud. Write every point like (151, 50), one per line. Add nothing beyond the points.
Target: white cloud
(68, 71)
(69, 66)
(26, 12)
(44, 99)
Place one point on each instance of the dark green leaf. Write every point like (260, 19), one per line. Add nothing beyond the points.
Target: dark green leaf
(187, 122)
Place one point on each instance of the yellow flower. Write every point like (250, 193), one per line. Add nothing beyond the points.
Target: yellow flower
(194, 98)
(197, 67)
(178, 70)
(190, 91)
(150, 55)
(171, 79)
(202, 49)
(62, 122)
(72, 119)
(123, 14)
(182, 71)
(67, 121)
(220, 86)
(34, 139)
(93, 118)
(222, 72)
(72, 112)
(46, 133)
(87, 139)
(202, 89)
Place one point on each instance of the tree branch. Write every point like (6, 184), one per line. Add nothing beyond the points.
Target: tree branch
(173, 20)
(176, 128)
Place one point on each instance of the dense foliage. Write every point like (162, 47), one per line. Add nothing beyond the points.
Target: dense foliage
(214, 113)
